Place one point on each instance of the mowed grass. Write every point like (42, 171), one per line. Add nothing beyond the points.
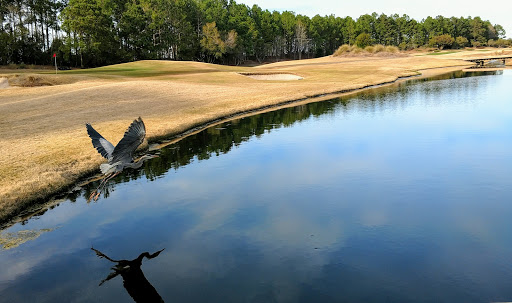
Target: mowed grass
(152, 68)
(44, 143)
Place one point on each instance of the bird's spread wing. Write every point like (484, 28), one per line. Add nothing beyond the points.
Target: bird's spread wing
(104, 147)
(133, 137)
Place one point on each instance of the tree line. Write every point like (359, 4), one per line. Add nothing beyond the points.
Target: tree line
(88, 33)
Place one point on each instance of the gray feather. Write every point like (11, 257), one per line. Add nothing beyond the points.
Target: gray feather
(104, 147)
(133, 137)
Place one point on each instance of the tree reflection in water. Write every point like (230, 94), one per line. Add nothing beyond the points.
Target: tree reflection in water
(134, 281)
(222, 138)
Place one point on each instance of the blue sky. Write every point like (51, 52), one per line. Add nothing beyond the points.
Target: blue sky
(498, 12)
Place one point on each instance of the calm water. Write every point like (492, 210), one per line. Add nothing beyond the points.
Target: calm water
(400, 194)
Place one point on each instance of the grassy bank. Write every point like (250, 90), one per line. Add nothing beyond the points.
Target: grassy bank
(45, 146)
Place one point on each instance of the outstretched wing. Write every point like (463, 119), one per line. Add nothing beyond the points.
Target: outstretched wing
(133, 137)
(104, 147)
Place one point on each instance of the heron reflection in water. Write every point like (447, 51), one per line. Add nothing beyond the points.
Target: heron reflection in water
(120, 156)
(134, 281)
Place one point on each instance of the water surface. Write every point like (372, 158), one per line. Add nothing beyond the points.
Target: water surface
(397, 194)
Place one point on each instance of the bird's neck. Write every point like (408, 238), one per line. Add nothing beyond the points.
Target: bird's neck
(139, 163)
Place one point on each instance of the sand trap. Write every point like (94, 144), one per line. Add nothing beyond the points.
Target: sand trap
(277, 76)
(4, 83)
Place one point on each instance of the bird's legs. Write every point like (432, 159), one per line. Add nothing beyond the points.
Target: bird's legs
(103, 184)
(96, 194)
(112, 176)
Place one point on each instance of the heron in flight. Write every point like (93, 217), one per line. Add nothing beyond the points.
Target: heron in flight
(120, 156)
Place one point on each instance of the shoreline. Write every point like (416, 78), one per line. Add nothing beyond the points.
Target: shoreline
(31, 207)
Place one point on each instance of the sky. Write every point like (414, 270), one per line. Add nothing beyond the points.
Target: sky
(499, 12)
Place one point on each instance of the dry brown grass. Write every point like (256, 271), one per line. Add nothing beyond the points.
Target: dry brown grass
(392, 49)
(44, 144)
(378, 50)
(468, 53)
(343, 49)
(32, 80)
(503, 52)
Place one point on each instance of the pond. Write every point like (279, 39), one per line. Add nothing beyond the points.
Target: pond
(397, 194)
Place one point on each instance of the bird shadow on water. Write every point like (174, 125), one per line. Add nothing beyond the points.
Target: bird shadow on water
(134, 281)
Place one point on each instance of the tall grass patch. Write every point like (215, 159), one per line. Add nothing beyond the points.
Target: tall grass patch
(392, 49)
(345, 48)
(370, 49)
(379, 48)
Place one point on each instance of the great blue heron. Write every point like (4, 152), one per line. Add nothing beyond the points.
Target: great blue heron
(120, 156)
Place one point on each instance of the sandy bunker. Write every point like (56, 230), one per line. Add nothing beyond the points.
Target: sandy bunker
(4, 83)
(273, 76)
